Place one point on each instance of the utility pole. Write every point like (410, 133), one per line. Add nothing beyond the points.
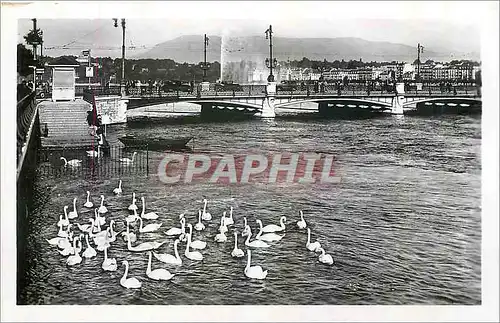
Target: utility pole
(34, 42)
(205, 65)
(90, 64)
(122, 84)
(270, 62)
(420, 49)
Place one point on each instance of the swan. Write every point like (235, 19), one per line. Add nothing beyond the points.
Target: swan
(324, 257)
(255, 243)
(193, 255)
(89, 252)
(145, 246)
(229, 220)
(220, 237)
(132, 217)
(112, 233)
(199, 226)
(74, 259)
(102, 208)
(223, 227)
(102, 242)
(64, 221)
(86, 227)
(109, 264)
(65, 243)
(147, 216)
(236, 253)
(97, 224)
(62, 233)
(246, 228)
(177, 231)
(129, 282)
(157, 274)
(54, 241)
(88, 204)
(69, 249)
(169, 259)
(197, 244)
(302, 223)
(312, 246)
(93, 153)
(118, 190)
(129, 235)
(268, 236)
(274, 228)
(254, 272)
(148, 228)
(73, 214)
(100, 220)
(127, 160)
(205, 215)
(132, 206)
(72, 163)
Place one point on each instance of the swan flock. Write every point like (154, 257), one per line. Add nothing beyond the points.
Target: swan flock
(99, 235)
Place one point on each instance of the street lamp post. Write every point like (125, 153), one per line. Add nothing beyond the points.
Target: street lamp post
(205, 65)
(270, 62)
(122, 85)
(420, 49)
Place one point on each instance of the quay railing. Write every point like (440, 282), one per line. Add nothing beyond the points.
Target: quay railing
(26, 117)
(110, 163)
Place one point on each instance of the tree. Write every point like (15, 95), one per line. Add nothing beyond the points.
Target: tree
(24, 60)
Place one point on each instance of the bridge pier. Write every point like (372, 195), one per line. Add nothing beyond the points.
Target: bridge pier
(268, 103)
(397, 101)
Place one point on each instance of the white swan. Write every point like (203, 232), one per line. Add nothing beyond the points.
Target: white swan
(86, 227)
(229, 220)
(157, 274)
(254, 272)
(118, 190)
(93, 153)
(197, 244)
(132, 206)
(302, 223)
(148, 228)
(112, 233)
(102, 209)
(223, 227)
(268, 236)
(74, 259)
(69, 250)
(324, 257)
(127, 160)
(65, 243)
(129, 235)
(129, 282)
(193, 255)
(62, 233)
(274, 228)
(97, 224)
(102, 242)
(88, 204)
(255, 243)
(312, 246)
(177, 231)
(169, 259)
(72, 163)
(199, 226)
(55, 241)
(64, 221)
(89, 252)
(246, 228)
(205, 215)
(73, 214)
(236, 253)
(145, 246)
(147, 216)
(109, 264)
(220, 237)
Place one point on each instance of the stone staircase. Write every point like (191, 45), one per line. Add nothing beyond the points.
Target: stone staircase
(66, 123)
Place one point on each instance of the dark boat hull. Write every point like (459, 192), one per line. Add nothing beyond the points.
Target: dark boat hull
(155, 143)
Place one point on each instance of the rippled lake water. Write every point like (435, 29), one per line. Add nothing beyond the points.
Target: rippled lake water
(403, 225)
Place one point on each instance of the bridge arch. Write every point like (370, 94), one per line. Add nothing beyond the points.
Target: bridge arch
(228, 103)
(318, 100)
(423, 100)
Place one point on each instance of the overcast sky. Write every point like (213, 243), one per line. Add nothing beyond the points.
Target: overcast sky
(453, 29)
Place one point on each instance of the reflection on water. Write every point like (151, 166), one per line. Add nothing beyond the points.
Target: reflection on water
(403, 226)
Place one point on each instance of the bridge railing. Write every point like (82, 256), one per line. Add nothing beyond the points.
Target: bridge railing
(26, 114)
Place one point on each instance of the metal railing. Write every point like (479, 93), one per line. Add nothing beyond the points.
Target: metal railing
(26, 114)
(109, 164)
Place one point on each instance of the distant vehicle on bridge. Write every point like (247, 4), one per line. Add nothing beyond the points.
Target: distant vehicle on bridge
(228, 86)
(174, 86)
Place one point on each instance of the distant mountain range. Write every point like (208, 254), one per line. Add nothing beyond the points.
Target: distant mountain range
(190, 49)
